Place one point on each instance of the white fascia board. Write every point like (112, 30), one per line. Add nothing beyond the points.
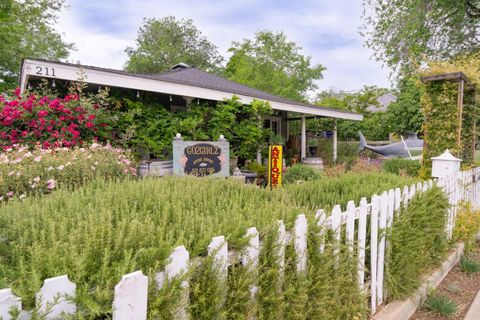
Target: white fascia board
(112, 79)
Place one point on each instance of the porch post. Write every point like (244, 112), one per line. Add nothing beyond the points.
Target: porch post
(259, 152)
(304, 139)
(335, 140)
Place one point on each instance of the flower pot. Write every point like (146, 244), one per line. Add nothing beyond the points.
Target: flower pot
(313, 150)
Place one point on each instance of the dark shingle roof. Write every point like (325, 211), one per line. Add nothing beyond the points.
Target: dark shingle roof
(184, 74)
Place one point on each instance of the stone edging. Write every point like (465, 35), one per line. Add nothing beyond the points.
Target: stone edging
(404, 309)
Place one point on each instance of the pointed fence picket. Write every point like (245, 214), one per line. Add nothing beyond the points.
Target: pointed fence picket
(56, 296)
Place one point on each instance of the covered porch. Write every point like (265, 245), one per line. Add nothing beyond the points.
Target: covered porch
(181, 86)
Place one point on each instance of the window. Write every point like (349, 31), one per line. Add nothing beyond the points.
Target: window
(274, 124)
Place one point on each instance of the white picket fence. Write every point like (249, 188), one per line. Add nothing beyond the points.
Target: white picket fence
(131, 293)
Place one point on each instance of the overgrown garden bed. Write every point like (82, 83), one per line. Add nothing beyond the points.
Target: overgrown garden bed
(99, 232)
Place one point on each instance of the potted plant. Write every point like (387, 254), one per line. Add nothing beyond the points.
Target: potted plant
(277, 139)
(312, 147)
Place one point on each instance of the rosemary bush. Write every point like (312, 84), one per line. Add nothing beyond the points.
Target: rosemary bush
(105, 229)
(417, 242)
(326, 192)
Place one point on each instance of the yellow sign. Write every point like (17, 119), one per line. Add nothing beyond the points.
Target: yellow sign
(275, 166)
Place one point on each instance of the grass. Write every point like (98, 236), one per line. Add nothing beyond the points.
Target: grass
(440, 305)
(468, 265)
(99, 232)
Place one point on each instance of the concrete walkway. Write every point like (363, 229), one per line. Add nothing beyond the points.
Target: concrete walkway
(474, 311)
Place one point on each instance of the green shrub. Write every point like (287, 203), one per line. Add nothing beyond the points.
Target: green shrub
(402, 166)
(105, 229)
(325, 192)
(301, 172)
(440, 305)
(25, 172)
(417, 242)
(467, 224)
(97, 233)
(258, 168)
(347, 153)
(469, 266)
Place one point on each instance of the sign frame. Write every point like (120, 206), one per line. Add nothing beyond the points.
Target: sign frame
(275, 166)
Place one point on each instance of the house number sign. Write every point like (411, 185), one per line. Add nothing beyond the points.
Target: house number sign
(45, 71)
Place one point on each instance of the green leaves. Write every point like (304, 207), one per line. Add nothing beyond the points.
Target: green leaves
(417, 242)
(26, 30)
(163, 43)
(154, 126)
(405, 114)
(273, 64)
(403, 33)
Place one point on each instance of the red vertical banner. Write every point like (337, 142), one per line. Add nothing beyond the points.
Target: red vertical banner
(275, 166)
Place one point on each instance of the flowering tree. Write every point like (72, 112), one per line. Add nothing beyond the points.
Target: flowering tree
(51, 122)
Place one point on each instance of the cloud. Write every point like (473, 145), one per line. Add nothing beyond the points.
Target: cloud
(326, 30)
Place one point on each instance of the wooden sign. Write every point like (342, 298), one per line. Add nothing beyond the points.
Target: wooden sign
(275, 166)
(200, 158)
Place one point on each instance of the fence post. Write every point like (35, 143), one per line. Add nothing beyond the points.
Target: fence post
(398, 200)
(130, 297)
(300, 242)
(413, 190)
(374, 250)
(336, 220)
(362, 233)
(54, 298)
(381, 246)
(250, 257)
(350, 228)
(405, 196)
(177, 267)
(219, 248)
(8, 302)
(321, 217)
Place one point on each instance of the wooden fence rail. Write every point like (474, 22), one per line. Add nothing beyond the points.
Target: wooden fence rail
(131, 293)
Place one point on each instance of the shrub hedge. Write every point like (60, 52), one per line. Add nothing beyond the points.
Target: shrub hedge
(323, 193)
(417, 242)
(99, 232)
(301, 172)
(25, 172)
(402, 166)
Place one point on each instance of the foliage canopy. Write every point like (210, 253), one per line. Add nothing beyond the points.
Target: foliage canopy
(404, 33)
(163, 43)
(26, 30)
(273, 64)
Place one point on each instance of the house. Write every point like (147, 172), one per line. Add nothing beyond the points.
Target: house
(384, 101)
(180, 86)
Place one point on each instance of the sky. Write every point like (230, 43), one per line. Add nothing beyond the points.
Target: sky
(327, 31)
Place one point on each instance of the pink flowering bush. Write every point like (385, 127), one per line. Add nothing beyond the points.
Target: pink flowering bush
(25, 171)
(51, 121)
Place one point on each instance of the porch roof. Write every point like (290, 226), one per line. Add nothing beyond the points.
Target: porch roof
(181, 80)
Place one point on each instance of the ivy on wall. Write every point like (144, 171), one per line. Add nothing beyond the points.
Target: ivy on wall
(441, 120)
(153, 127)
(469, 117)
(441, 123)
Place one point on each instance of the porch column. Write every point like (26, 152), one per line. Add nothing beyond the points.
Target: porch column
(304, 139)
(335, 140)
(259, 151)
